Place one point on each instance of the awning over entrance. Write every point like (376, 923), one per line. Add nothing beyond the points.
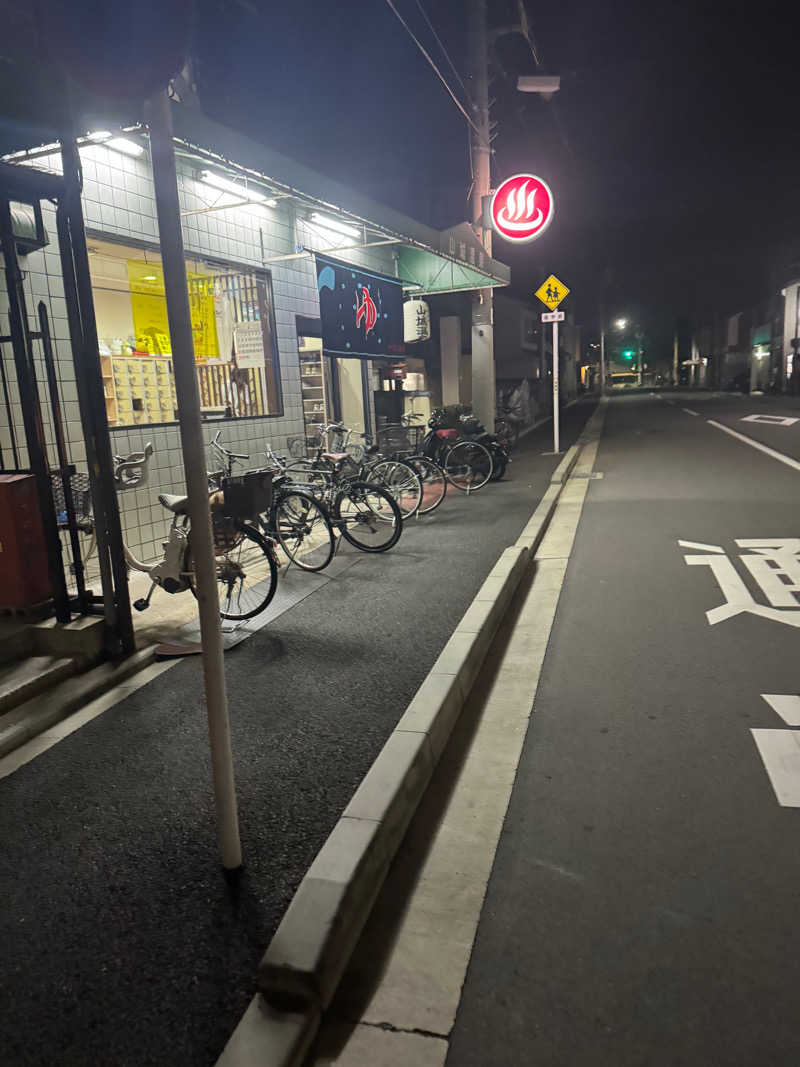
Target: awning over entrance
(429, 260)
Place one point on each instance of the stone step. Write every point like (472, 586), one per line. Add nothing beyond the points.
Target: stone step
(38, 714)
(26, 678)
(16, 640)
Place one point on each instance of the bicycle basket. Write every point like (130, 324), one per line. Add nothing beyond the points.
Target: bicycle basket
(296, 445)
(227, 534)
(471, 425)
(81, 500)
(396, 438)
(247, 495)
(336, 440)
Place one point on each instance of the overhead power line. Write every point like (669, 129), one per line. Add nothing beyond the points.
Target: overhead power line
(439, 74)
(445, 53)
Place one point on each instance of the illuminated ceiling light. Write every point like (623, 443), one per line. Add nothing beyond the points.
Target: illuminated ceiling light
(118, 144)
(335, 225)
(225, 185)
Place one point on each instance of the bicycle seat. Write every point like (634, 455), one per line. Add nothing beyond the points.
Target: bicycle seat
(174, 502)
(335, 457)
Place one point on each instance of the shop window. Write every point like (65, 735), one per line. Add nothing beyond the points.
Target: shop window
(233, 325)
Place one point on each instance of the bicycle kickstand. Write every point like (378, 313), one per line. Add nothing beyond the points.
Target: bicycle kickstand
(144, 601)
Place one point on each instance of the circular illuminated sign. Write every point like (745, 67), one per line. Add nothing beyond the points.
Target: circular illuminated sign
(522, 208)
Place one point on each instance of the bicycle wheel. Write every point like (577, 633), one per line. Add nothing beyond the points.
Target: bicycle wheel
(434, 483)
(401, 480)
(247, 574)
(368, 517)
(468, 466)
(499, 463)
(303, 529)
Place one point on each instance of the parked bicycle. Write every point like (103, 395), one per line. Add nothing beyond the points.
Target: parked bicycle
(467, 463)
(473, 428)
(246, 564)
(362, 462)
(295, 519)
(403, 441)
(366, 514)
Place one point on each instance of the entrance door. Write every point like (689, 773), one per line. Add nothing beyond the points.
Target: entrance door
(352, 409)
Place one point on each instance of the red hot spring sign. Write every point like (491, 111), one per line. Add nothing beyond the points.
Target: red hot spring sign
(522, 208)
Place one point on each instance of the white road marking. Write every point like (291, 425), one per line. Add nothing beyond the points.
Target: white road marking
(756, 444)
(690, 412)
(787, 706)
(701, 547)
(780, 753)
(771, 420)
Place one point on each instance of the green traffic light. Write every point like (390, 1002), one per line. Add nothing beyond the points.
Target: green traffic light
(627, 355)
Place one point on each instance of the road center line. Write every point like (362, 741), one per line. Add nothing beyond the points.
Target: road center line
(690, 412)
(757, 444)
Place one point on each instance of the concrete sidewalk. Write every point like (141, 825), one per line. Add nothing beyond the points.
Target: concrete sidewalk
(123, 943)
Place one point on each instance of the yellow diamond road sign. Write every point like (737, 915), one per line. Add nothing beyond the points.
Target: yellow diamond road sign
(552, 292)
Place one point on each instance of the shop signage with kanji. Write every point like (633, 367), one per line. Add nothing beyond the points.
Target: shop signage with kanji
(361, 312)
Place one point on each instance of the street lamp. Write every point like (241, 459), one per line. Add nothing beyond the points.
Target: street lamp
(619, 324)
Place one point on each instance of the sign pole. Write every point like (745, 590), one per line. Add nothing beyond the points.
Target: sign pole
(556, 427)
(194, 464)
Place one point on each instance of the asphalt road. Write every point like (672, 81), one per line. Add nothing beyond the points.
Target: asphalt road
(122, 944)
(643, 902)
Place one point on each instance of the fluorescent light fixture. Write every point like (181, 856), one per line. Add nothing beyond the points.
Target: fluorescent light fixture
(118, 144)
(335, 225)
(225, 185)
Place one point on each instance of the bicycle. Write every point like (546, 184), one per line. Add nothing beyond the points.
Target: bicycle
(295, 519)
(401, 441)
(365, 514)
(247, 570)
(467, 463)
(362, 462)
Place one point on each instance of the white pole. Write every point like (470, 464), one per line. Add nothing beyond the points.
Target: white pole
(194, 464)
(603, 359)
(556, 427)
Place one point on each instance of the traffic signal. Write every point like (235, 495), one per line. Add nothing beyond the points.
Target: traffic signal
(628, 353)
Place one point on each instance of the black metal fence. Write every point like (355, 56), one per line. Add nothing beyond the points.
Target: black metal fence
(32, 436)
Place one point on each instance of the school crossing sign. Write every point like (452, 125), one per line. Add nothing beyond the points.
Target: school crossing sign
(551, 292)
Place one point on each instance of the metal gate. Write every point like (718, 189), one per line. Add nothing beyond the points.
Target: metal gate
(73, 497)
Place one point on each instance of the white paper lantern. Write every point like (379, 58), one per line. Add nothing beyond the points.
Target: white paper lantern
(416, 321)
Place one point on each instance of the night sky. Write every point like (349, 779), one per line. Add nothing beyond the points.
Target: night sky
(672, 147)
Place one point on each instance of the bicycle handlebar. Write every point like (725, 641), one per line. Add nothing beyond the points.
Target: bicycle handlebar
(225, 451)
(131, 471)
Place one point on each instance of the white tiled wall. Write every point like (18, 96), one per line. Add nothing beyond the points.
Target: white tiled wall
(119, 202)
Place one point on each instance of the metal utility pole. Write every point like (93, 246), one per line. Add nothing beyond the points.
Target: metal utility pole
(602, 350)
(165, 180)
(483, 375)
(556, 411)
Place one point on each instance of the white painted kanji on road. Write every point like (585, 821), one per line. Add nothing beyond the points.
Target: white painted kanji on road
(770, 420)
(773, 564)
(780, 749)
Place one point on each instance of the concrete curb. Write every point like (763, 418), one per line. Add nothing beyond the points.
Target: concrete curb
(301, 969)
(316, 937)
